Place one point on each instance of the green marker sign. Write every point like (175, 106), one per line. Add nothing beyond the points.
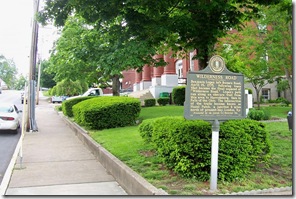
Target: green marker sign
(215, 93)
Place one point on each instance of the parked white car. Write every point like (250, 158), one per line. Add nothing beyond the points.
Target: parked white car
(9, 117)
(58, 99)
(90, 92)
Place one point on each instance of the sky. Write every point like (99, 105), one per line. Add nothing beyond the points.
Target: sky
(16, 19)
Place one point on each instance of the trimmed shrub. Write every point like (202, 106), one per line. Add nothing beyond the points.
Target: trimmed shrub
(255, 114)
(258, 115)
(185, 146)
(163, 101)
(146, 129)
(242, 145)
(68, 104)
(178, 95)
(149, 102)
(107, 112)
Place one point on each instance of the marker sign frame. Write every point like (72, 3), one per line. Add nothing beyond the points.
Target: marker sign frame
(215, 93)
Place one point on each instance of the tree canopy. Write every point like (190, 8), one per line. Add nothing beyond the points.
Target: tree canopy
(46, 78)
(86, 53)
(262, 50)
(180, 25)
(8, 71)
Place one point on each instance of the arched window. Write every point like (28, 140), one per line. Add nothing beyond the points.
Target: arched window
(179, 68)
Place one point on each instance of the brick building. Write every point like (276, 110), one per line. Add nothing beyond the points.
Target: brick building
(161, 79)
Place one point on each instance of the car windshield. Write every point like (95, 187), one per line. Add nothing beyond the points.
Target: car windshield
(6, 109)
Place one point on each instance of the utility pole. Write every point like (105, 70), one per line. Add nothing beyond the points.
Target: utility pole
(38, 81)
(31, 122)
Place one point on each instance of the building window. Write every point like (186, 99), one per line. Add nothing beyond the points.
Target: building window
(191, 61)
(265, 94)
(179, 68)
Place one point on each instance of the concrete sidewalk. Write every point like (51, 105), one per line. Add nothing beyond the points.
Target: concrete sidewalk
(55, 162)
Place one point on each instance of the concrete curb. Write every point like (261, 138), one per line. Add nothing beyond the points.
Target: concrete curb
(130, 181)
(9, 170)
(271, 191)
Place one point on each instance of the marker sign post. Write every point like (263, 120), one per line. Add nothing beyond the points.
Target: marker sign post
(215, 94)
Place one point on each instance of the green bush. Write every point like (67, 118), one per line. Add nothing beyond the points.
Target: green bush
(163, 101)
(149, 102)
(146, 129)
(283, 101)
(107, 112)
(185, 146)
(250, 91)
(261, 114)
(243, 144)
(178, 95)
(68, 104)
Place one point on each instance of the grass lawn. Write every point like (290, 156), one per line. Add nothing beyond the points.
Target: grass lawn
(127, 145)
(277, 111)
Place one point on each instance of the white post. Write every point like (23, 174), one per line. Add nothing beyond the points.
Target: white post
(214, 155)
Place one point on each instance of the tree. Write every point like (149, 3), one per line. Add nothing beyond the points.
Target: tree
(279, 38)
(8, 71)
(20, 83)
(46, 78)
(68, 88)
(69, 59)
(181, 25)
(251, 51)
(87, 53)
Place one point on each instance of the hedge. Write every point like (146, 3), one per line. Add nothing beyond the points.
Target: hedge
(163, 101)
(256, 114)
(178, 95)
(107, 112)
(149, 102)
(185, 146)
(68, 104)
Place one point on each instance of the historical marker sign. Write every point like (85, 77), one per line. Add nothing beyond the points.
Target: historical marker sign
(215, 93)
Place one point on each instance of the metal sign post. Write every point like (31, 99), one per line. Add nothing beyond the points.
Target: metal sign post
(214, 155)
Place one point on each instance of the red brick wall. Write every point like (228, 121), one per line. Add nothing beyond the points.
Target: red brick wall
(128, 79)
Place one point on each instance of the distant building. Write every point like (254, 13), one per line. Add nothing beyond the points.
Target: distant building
(163, 79)
(269, 92)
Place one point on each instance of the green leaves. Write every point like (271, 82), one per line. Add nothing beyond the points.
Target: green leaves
(197, 24)
(8, 71)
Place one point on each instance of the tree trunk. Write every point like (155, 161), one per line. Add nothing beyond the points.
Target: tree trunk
(258, 97)
(203, 62)
(288, 76)
(115, 85)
